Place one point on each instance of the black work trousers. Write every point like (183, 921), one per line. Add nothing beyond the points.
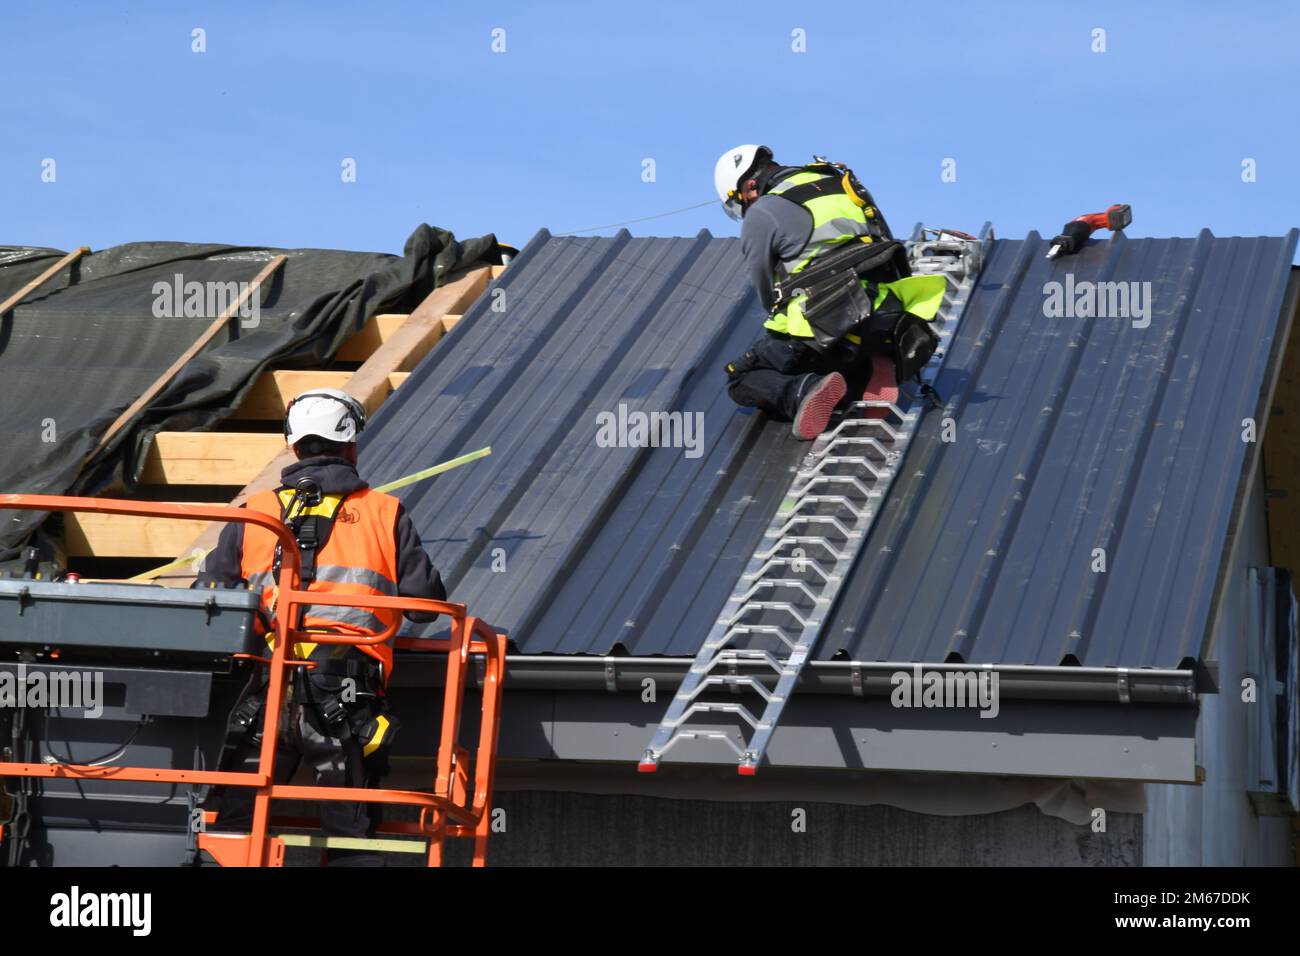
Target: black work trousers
(773, 374)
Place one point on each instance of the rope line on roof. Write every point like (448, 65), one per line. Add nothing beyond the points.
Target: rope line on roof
(744, 290)
(658, 215)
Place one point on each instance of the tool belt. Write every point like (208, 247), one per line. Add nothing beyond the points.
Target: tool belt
(836, 304)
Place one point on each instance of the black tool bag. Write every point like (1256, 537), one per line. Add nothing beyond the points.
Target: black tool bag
(914, 341)
(836, 303)
(836, 310)
(906, 338)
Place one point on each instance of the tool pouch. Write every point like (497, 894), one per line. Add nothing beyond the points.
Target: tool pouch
(835, 302)
(375, 733)
(914, 341)
(906, 338)
(835, 312)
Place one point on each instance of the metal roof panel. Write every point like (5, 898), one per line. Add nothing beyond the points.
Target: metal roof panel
(1071, 434)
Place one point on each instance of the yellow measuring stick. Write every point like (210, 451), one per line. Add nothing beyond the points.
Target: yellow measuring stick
(436, 470)
(194, 558)
(411, 479)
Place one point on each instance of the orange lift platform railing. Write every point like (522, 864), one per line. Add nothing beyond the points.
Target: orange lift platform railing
(456, 807)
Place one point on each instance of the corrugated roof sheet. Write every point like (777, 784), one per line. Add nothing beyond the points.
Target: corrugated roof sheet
(1074, 435)
(1071, 434)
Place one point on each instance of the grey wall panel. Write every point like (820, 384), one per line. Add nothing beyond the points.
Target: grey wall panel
(1215, 824)
(576, 829)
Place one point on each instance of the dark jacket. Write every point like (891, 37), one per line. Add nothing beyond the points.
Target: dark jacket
(416, 576)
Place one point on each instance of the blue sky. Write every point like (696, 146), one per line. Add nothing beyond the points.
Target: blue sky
(244, 143)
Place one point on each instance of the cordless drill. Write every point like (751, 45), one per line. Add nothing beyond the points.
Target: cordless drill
(1077, 231)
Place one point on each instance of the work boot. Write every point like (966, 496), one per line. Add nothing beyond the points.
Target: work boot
(881, 387)
(818, 397)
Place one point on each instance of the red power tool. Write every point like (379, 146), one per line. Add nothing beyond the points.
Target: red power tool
(1077, 231)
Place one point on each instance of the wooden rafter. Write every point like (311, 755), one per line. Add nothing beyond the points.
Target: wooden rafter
(377, 330)
(115, 536)
(195, 348)
(389, 346)
(371, 384)
(41, 279)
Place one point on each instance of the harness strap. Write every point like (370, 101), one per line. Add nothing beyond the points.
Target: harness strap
(806, 192)
(837, 180)
(311, 524)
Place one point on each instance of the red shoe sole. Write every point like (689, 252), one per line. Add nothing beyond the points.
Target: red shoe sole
(815, 411)
(883, 386)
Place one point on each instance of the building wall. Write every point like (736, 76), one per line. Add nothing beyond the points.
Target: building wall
(548, 828)
(1215, 824)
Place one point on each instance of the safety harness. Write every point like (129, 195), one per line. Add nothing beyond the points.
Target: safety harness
(342, 697)
(843, 179)
(309, 514)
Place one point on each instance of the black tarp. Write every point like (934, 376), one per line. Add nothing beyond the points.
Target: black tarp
(79, 350)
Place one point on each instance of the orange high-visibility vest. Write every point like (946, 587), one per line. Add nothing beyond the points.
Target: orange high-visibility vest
(360, 557)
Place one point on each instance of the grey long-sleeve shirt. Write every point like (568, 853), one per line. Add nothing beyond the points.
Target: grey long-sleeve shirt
(773, 229)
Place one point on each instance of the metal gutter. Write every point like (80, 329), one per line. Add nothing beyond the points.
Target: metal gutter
(625, 675)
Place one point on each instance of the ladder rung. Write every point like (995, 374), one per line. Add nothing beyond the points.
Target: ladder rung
(710, 707)
(794, 584)
(797, 540)
(378, 845)
(730, 680)
(784, 607)
(865, 491)
(753, 655)
(775, 562)
(847, 533)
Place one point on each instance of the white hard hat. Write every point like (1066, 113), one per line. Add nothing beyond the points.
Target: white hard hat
(730, 169)
(325, 413)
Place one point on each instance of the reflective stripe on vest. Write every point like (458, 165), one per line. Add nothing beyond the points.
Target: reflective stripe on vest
(837, 219)
(339, 574)
(358, 558)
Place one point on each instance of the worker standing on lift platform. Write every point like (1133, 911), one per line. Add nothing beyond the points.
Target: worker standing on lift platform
(351, 540)
(845, 318)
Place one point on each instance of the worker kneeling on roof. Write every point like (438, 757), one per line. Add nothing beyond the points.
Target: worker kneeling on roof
(846, 320)
(352, 541)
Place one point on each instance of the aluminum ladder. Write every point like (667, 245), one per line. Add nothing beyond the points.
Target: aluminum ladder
(791, 582)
